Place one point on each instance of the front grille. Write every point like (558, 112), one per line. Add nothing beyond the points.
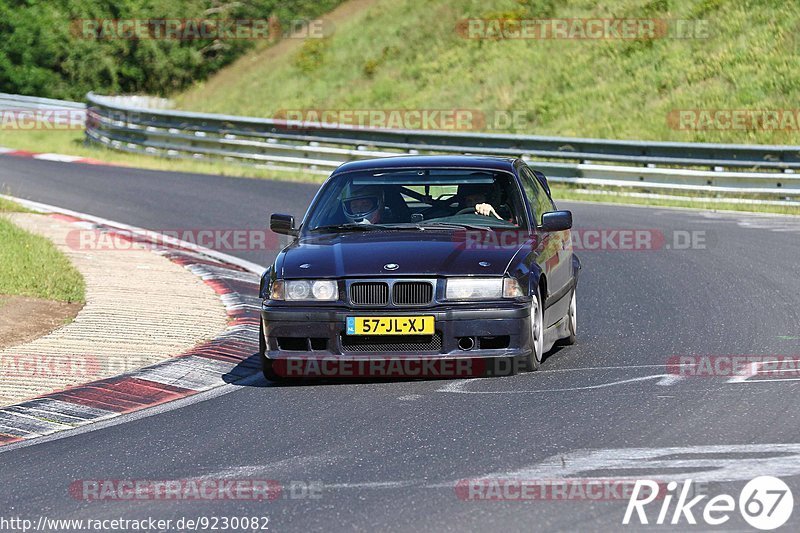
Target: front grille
(393, 343)
(412, 293)
(369, 293)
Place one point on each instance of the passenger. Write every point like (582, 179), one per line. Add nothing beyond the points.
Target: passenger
(476, 196)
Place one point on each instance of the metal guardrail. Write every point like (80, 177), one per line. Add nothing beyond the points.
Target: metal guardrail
(285, 144)
(125, 124)
(30, 110)
(16, 101)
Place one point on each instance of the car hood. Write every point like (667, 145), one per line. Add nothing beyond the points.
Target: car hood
(423, 253)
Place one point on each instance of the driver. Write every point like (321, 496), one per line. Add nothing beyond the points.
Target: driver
(364, 205)
(475, 195)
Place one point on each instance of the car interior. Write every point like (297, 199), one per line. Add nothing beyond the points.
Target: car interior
(440, 199)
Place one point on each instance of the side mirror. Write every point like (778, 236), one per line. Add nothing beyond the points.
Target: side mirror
(556, 221)
(283, 224)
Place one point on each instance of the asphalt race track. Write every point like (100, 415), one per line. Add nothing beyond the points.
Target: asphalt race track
(388, 455)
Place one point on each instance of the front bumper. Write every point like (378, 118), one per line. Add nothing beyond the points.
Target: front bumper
(306, 332)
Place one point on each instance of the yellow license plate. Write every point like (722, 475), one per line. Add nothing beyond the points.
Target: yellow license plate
(390, 325)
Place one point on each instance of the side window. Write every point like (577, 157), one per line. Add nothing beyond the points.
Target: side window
(540, 202)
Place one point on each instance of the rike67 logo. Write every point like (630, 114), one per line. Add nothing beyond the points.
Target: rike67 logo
(765, 503)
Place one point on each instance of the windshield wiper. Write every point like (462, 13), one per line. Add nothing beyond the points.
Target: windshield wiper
(401, 226)
(368, 227)
(350, 227)
(455, 225)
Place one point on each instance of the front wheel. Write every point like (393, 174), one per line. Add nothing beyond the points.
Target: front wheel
(536, 344)
(572, 319)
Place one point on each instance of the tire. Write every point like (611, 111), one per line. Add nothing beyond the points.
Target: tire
(534, 358)
(266, 363)
(262, 344)
(572, 319)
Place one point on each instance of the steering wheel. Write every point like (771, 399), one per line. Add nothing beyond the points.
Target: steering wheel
(465, 211)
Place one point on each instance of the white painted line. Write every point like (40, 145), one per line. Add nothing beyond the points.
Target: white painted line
(272, 468)
(756, 370)
(745, 374)
(697, 199)
(669, 380)
(580, 369)
(16, 432)
(30, 423)
(46, 208)
(58, 157)
(214, 272)
(458, 386)
(193, 373)
(696, 210)
(372, 485)
(138, 415)
(60, 411)
(764, 380)
(700, 463)
(61, 418)
(75, 410)
(204, 373)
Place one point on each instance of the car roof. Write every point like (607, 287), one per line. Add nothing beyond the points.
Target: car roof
(429, 161)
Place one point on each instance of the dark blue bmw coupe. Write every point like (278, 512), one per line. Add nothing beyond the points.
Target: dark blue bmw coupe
(428, 258)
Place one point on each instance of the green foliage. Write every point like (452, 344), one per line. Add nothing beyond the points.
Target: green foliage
(311, 55)
(609, 88)
(371, 65)
(7, 206)
(46, 50)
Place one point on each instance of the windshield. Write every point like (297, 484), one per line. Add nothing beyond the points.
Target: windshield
(418, 198)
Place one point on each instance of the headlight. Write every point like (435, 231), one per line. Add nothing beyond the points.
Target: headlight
(324, 290)
(305, 290)
(482, 288)
(298, 290)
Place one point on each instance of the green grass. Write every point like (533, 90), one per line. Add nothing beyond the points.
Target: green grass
(31, 265)
(7, 206)
(406, 54)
